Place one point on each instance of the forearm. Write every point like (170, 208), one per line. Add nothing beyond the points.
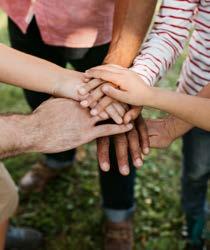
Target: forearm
(193, 110)
(132, 19)
(29, 72)
(16, 133)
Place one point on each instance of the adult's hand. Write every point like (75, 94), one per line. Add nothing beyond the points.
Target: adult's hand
(162, 132)
(136, 141)
(61, 124)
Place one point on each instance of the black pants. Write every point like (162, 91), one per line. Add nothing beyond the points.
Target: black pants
(118, 191)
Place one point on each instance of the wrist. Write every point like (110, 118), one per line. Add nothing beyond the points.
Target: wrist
(67, 83)
(177, 127)
(149, 97)
(118, 57)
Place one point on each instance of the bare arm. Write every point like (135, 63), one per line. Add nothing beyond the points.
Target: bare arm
(55, 126)
(131, 22)
(192, 109)
(32, 73)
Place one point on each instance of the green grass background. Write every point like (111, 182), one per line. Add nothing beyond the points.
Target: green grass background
(69, 212)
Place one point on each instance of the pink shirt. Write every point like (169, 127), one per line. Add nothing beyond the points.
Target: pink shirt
(73, 23)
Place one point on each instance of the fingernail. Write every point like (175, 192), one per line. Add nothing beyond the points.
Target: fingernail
(84, 103)
(82, 91)
(129, 126)
(94, 112)
(125, 170)
(105, 167)
(105, 88)
(146, 151)
(138, 162)
(119, 120)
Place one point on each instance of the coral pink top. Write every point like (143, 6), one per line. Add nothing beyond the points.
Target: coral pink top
(70, 23)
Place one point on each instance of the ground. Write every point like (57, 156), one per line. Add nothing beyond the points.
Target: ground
(69, 212)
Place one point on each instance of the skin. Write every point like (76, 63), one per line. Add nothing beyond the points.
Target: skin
(38, 75)
(127, 38)
(128, 87)
(56, 125)
(164, 131)
(3, 231)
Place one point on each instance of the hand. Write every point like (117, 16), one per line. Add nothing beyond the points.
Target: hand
(61, 124)
(113, 109)
(162, 132)
(126, 86)
(67, 85)
(136, 140)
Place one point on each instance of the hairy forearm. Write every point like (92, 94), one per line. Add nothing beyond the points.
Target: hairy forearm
(191, 109)
(131, 22)
(29, 72)
(16, 133)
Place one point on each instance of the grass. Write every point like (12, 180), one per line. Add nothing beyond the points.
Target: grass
(69, 213)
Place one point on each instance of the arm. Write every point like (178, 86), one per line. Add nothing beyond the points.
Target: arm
(55, 126)
(132, 90)
(166, 41)
(32, 73)
(192, 109)
(132, 19)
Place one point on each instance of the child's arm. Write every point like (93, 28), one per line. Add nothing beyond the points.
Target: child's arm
(129, 88)
(32, 73)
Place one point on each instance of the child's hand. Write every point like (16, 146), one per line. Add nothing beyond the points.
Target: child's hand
(67, 85)
(112, 109)
(126, 85)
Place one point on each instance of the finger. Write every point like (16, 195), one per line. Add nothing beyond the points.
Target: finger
(135, 148)
(92, 84)
(101, 106)
(112, 112)
(152, 126)
(106, 67)
(144, 136)
(121, 148)
(102, 117)
(105, 74)
(93, 97)
(155, 142)
(92, 105)
(132, 114)
(114, 93)
(111, 129)
(120, 108)
(103, 153)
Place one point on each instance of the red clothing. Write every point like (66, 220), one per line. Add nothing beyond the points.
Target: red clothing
(75, 24)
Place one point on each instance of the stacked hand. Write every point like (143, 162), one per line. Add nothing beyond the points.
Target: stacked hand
(136, 140)
(107, 90)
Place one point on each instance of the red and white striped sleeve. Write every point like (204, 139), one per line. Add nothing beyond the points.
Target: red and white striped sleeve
(166, 40)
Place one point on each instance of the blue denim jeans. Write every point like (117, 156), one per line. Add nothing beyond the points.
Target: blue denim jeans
(196, 169)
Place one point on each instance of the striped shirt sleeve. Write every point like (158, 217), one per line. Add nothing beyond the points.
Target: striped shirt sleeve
(166, 40)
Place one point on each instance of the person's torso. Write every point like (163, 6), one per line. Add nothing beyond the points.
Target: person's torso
(71, 23)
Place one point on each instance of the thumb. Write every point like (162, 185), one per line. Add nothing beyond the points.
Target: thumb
(132, 114)
(153, 127)
(114, 93)
(110, 129)
(154, 142)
